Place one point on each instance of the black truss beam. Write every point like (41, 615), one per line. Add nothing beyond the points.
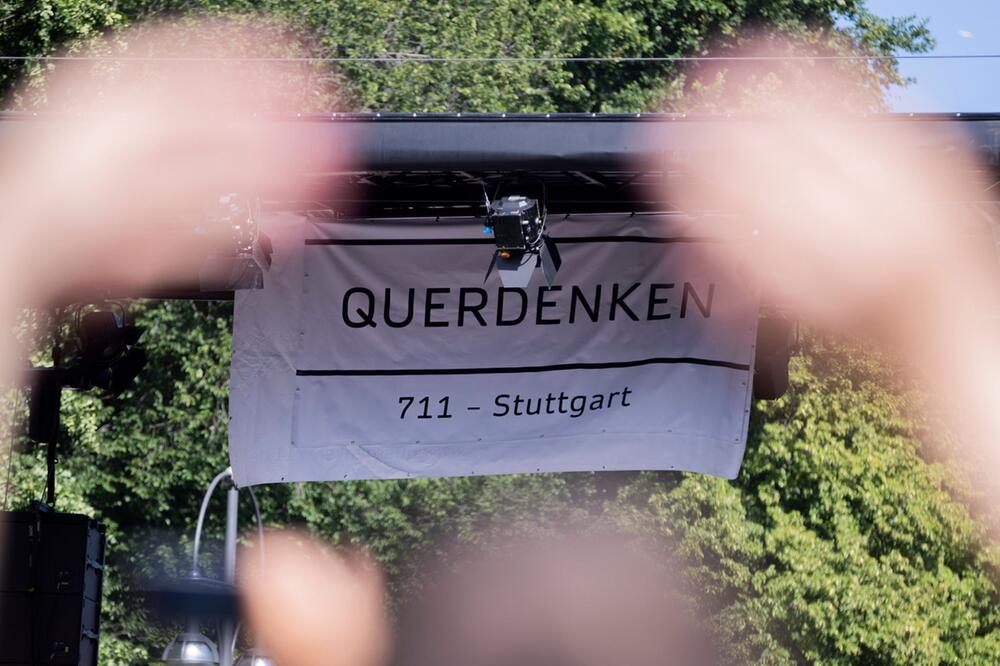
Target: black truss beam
(545, 142)
(436, 165)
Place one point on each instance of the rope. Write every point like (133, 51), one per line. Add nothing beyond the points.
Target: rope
(396, 59)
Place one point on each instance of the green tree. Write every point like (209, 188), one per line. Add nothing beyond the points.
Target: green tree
(40, 27)
(836, 544)
(520, 28)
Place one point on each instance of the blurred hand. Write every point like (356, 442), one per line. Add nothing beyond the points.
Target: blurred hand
(312, 606)
(857, 226)
(109, 197)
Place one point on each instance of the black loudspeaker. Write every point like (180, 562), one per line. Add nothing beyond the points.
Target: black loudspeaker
(51, 573)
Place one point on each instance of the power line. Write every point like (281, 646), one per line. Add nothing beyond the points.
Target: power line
(409, 58)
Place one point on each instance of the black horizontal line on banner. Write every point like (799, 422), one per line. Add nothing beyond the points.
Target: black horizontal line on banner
(399, 241)
(674, 360)
(489, 241)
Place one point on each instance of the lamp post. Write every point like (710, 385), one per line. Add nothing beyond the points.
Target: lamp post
(192, 647)
(227, 632)
(254, 657)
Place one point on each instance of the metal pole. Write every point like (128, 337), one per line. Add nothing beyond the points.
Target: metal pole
(229, 562)
(200, 525)
(50, 474)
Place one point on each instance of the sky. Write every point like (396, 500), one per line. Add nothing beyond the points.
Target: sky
(960, 27)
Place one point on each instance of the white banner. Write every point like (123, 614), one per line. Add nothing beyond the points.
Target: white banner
(376, 350)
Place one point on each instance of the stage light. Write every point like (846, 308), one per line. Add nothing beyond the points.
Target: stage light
(243, 252)
(191, 647)
(108, 357)
(517, 223)
(101, 338)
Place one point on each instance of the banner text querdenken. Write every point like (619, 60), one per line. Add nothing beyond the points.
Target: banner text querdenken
(468, 306)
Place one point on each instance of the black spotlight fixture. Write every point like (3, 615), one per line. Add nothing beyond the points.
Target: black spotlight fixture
(108, 359)
(243, 251)
(517, 222)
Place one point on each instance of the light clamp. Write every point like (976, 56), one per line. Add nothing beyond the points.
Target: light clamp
(243, 251)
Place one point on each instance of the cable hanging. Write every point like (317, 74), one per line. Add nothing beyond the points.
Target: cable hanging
(411, 58)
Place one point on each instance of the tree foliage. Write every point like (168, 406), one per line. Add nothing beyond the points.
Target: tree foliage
(838, 543)
(517, 28)
(39, 27)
